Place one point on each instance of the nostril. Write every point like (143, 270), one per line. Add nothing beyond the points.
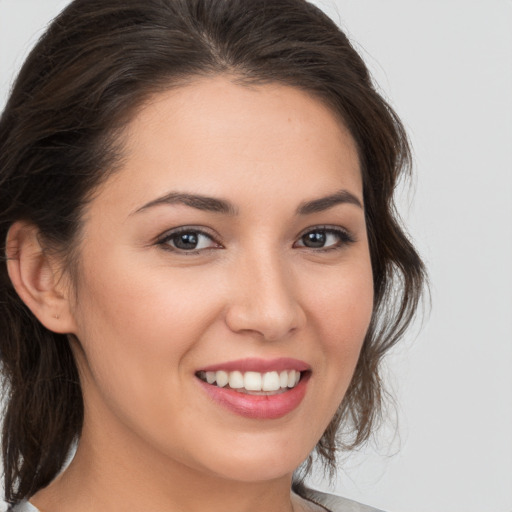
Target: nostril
(270, 327)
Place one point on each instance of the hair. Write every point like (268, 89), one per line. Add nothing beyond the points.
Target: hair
(60, 137)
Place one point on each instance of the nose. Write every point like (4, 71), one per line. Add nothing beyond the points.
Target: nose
(264, 299)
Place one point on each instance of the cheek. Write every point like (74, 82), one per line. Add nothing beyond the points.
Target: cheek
(142, 326)
(135, 304)
(137, 335)
(341, 314)
(343, 307)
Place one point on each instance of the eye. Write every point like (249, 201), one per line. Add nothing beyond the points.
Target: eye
(188, 240)
(325, 238)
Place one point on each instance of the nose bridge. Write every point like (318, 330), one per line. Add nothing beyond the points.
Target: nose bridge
(265, 300)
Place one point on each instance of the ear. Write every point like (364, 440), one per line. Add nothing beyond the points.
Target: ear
(38, 279)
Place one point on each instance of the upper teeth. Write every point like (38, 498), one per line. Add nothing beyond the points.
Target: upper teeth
(253, 381)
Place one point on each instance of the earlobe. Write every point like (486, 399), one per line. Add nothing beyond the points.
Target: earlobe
(37, 278)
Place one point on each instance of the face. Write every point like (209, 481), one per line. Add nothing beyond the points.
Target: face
(224, 287)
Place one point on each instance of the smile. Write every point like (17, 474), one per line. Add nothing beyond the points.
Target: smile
(256, 388)
(253, 382)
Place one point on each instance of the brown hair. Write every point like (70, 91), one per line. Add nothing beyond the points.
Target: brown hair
(95, 65)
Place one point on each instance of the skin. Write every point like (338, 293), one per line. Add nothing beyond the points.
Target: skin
(148, 317)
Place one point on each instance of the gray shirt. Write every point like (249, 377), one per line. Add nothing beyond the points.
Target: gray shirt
(330, 502)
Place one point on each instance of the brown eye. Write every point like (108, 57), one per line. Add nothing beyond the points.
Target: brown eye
(315, 239)
(323, 238)
(188, 240)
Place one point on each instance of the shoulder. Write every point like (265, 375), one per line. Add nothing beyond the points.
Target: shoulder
(336, 503)
(23, 506)
(330, 502)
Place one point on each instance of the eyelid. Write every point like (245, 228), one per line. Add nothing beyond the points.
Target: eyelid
(346, 237)
(163, 239)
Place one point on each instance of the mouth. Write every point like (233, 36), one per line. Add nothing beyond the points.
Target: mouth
(253, 383)
(256, 388)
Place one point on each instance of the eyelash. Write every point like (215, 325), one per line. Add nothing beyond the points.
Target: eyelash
(344, 239)
(186, 230)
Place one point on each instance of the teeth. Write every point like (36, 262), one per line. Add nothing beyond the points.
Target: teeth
(236, 380)
(291, 379)
(253, 381)
(271, 381)
(221, 378)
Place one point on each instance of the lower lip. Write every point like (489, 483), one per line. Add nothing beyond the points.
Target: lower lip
(263, 407)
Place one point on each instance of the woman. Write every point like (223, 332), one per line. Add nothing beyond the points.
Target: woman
(201, 257)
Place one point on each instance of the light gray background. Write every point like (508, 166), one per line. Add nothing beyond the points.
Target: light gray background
(446, 66)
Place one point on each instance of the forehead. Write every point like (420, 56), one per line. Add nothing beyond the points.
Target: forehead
(214, 133)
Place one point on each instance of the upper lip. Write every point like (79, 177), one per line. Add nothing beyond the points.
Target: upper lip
(259, 365)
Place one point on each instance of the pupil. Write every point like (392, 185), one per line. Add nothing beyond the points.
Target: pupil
(315, 239)
(186, 241)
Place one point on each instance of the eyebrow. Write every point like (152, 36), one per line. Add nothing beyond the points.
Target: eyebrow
(209, 204)
(324, 203)
(212, 204)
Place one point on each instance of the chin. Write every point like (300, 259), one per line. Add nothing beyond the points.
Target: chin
(259, 461)
(255, 472)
